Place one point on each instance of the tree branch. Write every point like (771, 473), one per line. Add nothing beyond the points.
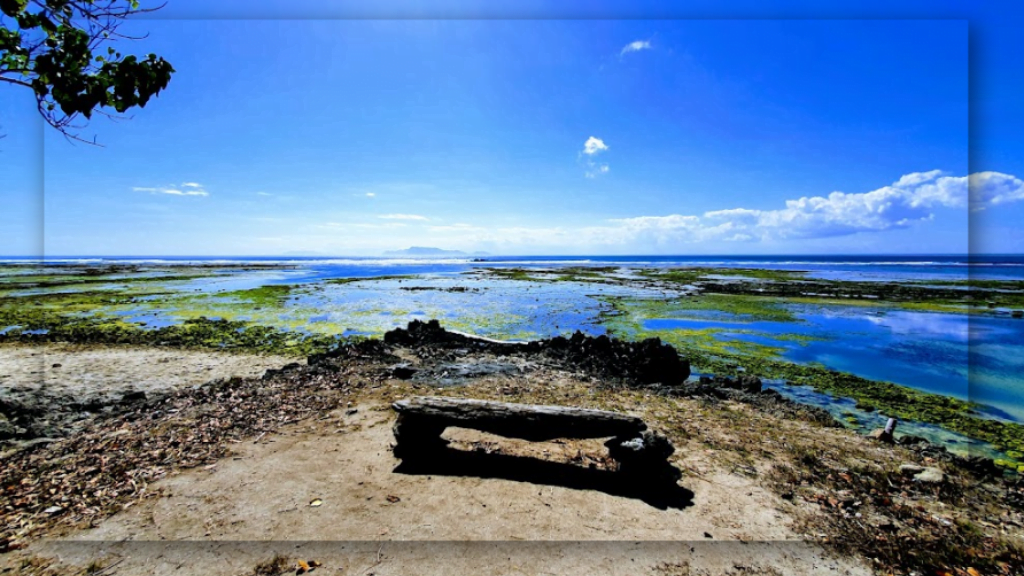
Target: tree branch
(13, 81)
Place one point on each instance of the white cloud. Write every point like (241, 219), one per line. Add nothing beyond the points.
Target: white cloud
(264, 194)
(458, 227)
(993, 188)
(193, 190)
(635, 46)
(911, 200)
(593, 146)
(381, 226)
(370, 194)
(402, 217)
(346, 226)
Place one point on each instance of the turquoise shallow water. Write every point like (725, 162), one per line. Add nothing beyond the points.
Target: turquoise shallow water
(843, 408)
(977, 358)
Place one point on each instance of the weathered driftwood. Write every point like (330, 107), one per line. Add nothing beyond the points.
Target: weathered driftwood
(640, 452)
(525, 421)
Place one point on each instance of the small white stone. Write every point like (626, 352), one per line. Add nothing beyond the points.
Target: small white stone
(930, 476)
(911, 469)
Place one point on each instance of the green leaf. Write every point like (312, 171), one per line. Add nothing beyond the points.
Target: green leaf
(48, 26)
(13, 7)
(64, 71)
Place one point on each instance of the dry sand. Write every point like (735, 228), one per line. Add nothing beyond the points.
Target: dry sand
(226, 519)
(87, 370)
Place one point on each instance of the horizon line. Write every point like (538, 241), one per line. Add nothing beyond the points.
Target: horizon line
(492, 255)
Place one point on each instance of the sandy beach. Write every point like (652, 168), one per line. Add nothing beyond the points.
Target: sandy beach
(82, 371)
(59, 388)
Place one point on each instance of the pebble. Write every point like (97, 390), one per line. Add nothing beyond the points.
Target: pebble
(911, 469)
(930, 476)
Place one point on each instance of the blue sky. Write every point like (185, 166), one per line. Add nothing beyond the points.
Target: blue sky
(533, 136)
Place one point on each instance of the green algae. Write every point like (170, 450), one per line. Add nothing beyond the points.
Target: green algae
(975, 283)
(32, 282)
(739, 308)
(39, 325)
(586, 274)
(793, 286)
(605, 274)
(353, 280)
(599, 274)
(517, 274)
(885, 397)
(697, 273)
(628, 315)
(896, 294)
(888, 398)
(270, 295)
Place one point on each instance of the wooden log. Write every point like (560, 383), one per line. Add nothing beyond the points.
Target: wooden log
(525, 421)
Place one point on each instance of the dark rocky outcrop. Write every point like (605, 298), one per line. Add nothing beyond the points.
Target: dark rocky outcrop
(649, 361)
(743, 382)
(646, 362)
(402, 371)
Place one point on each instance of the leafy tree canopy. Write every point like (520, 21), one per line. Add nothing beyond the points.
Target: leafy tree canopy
(54, 48)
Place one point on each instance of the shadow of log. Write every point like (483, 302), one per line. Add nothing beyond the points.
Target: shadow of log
(657, 491)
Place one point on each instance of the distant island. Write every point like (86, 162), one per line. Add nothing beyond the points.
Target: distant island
(426, 252)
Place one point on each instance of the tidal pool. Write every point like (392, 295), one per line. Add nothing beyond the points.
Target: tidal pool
(972, 357)
(845, 410)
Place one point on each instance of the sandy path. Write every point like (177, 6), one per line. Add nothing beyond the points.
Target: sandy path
(256, 504)
(83, 371)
